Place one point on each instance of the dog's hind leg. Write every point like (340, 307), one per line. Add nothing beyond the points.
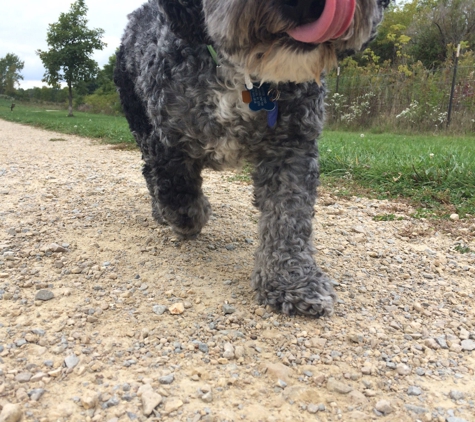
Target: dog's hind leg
(174, 182)
(286, 275)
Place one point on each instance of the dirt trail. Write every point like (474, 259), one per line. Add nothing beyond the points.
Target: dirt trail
(105, 316)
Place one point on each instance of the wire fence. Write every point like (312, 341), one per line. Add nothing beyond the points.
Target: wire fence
(418, 99)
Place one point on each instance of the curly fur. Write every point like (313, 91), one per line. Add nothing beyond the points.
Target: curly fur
(186, 114)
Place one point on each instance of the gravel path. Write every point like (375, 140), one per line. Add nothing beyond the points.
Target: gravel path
(105, 316)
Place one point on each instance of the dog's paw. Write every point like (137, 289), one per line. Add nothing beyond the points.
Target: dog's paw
(315, 297)
(187, 224)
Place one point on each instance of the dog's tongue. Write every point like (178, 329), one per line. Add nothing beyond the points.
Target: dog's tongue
(334, 21)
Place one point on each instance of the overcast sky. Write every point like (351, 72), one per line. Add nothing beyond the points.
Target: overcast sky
(24, 24)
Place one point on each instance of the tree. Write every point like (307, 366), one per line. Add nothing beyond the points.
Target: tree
(105, 78)
(440, 24)
(10, 68)
(71, 45)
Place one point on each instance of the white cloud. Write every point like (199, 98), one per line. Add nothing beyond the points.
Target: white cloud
(24, 25)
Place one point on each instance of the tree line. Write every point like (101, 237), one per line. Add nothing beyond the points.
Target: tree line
(416, 36)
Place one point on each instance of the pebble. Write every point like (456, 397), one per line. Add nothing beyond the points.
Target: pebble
(90, 400)
(207, 397)
(172, 404)
(454, 217)
(414, 391)
(71, 361)
(338, 387)
(416, 409)
(159, 309)
(228, 309)
(431, 343)
(312, 408)
(44, 295)
(150, 399)
(36, 394)
(456, 395)
(23, 377)
(177, 308)
(384, 407)
(228, 351)
(442, 342)
(403, 369)
(468, 345)
(11, 413)
(167, 379)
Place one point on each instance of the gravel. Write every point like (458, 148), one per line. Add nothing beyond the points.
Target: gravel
(107, 316)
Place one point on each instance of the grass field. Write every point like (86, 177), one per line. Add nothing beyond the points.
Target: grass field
(110, 129)
(435, 173)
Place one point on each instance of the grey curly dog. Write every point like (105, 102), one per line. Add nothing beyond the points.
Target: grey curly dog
(212, 83)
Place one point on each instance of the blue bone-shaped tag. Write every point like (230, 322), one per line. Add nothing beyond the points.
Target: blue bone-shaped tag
(260, 98)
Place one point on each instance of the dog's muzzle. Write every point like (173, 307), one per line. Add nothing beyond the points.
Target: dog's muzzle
(318, 21)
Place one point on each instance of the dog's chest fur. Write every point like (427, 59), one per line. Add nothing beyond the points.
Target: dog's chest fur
(188, 98)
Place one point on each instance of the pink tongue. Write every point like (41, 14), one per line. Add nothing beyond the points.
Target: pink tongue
(334, 21)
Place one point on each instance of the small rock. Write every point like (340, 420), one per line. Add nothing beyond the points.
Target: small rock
(442, 342)
(431, 344)
(207, 397)
(177, 308)
(278, 371)
(366, 370)
(44, 295)
(456, 395)
(338, 387)
(150, 400)
(228, 351)
(159, 309)
(359, 229)
(384, 407)
(203, 347)
(71, 361)
(38, 377)
(281, 384)
(418, 410)
(113, 401)
(172, 404)
(455, 419)
(90, 400)
(11, 413)
(36, 394)
(167, 379)
(454, 217)
(23, 377)
(403, 369)
(312, 408)
(355, 338)
(468, 345)
(228, 309)
(414, 391)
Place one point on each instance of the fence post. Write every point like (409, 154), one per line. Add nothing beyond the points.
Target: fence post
(337, 79)
(449, 112)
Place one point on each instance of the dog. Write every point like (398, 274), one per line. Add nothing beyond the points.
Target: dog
(213, 83)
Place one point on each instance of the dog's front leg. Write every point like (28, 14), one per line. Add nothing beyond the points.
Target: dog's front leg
(174, 181)
(286, 275)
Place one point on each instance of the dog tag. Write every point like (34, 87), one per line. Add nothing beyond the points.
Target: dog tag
(258, 98)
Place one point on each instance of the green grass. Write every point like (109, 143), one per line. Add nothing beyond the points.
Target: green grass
(436, 173)
(110, 129)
